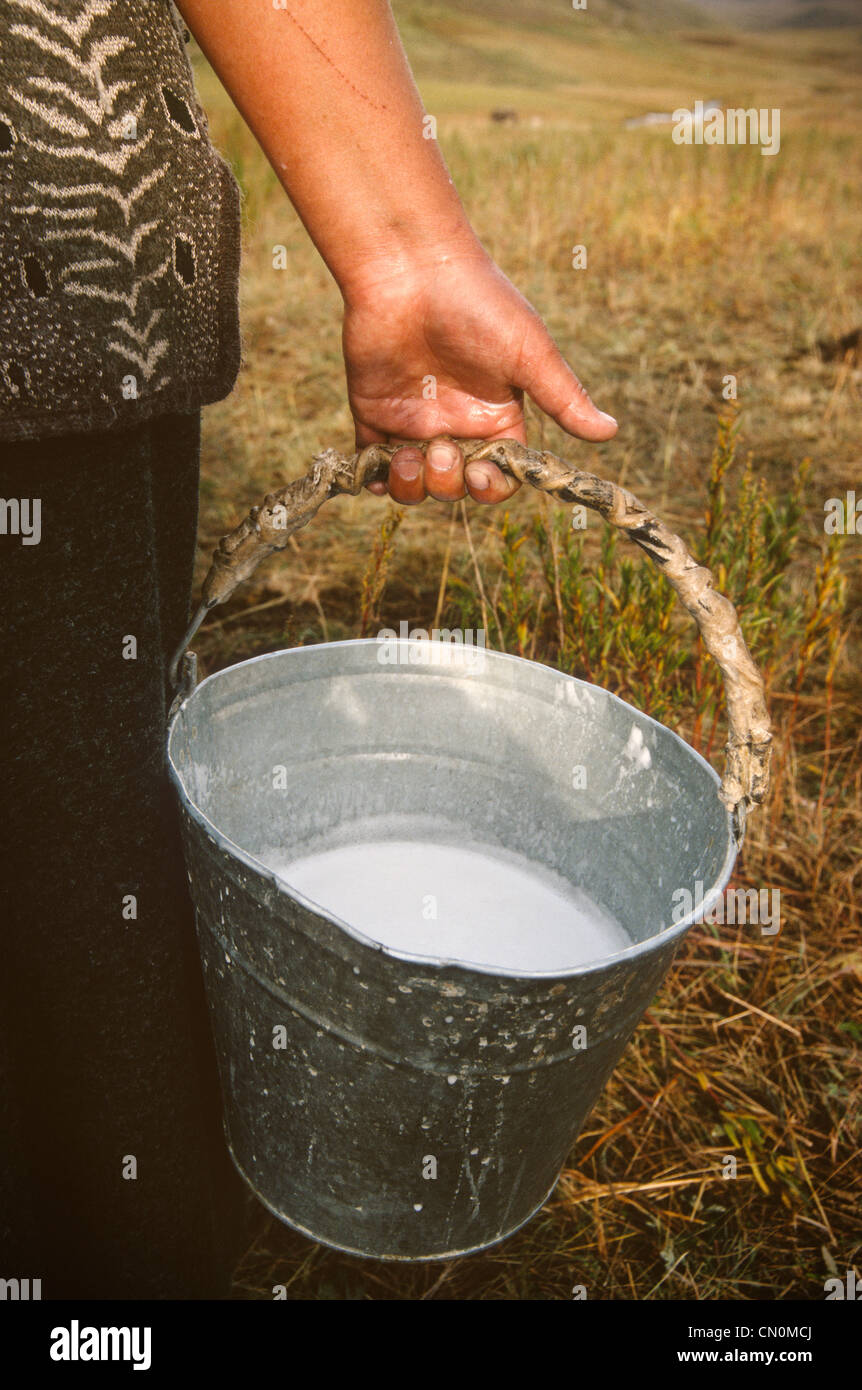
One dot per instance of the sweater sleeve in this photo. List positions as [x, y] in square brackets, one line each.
[120, 226]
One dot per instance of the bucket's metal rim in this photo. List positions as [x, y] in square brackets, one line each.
[672, 931]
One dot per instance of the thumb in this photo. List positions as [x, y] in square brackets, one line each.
[547, 377]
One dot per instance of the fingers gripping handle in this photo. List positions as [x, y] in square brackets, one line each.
[268, 528]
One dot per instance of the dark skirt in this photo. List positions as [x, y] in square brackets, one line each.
[114, 1176]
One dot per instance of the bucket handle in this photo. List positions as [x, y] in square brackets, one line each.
[269, 527]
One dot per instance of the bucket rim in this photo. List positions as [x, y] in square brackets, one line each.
[670, 932]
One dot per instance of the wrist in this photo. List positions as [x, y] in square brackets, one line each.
[402, 254]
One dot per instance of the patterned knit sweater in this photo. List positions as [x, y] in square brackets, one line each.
[119, 223]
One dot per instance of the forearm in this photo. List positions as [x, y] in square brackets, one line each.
[327, 90]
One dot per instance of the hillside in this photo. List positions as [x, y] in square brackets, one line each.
[619, 59]
[776, 14]
[558, 16]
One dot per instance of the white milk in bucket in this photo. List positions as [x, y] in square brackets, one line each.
[466, 902]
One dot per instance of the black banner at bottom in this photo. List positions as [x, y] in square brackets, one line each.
[251, 1338]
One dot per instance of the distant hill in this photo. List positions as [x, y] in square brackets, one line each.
[615, 61]
[558, 15]
[657, 15]
[480, 41]
[783, 14]
[525, 45]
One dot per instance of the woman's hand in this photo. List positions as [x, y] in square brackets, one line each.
[448, 347]
[436, 339]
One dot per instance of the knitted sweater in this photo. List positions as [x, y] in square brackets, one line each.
[119, 223]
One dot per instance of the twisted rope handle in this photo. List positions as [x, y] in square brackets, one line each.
[268, 528]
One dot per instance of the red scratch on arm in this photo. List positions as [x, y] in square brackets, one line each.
[378, 106]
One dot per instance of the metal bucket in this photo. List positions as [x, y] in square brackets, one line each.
[397, 1105]
[392, 1102]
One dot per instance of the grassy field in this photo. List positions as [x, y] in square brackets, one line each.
[702, 263]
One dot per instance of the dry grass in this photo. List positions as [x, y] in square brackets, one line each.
[702, 263]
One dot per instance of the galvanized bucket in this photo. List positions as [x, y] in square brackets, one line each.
[396, 1104]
